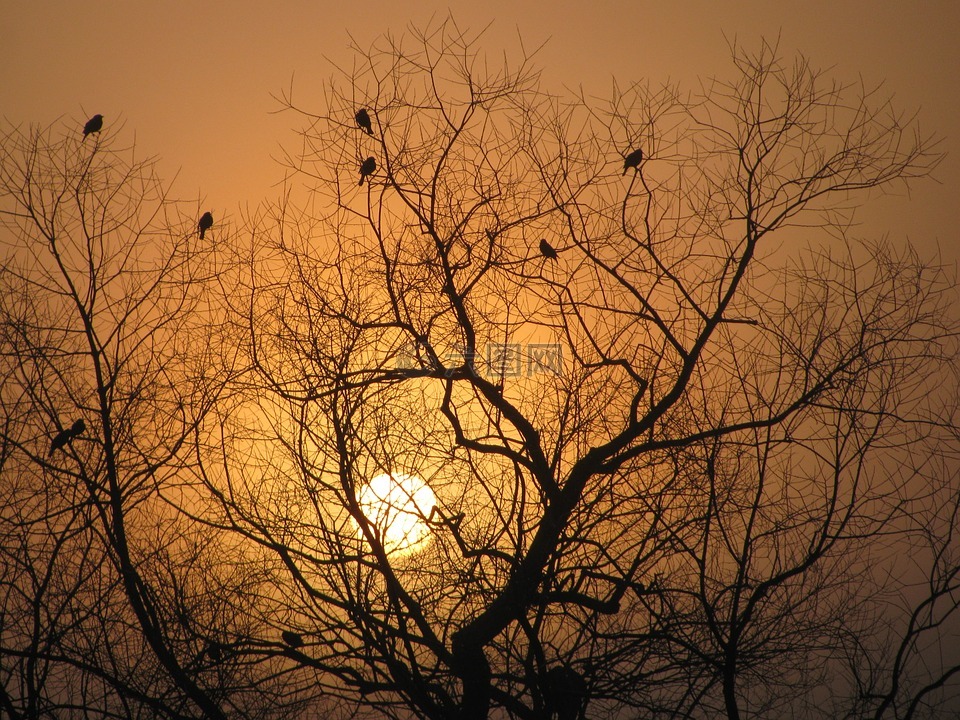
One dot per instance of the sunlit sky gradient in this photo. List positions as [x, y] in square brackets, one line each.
[192, 81]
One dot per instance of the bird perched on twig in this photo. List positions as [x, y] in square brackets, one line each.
[215, 651]
[546, 249]
[367, 167]
[206, 222]
[94, 125]
[294, 640]
[68, 434]
[565, 690]
[632, 160]
[59, 440]
[363, 120]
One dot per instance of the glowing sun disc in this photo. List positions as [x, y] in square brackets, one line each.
[397, 505]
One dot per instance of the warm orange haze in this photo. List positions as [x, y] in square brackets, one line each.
[502, 389]
[399, 507]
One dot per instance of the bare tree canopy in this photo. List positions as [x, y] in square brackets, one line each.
[511, 432]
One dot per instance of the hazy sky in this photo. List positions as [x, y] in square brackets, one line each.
[192, 81]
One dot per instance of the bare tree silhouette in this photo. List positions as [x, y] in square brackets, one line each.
[383, 458]
[102, 605]
[651, 466]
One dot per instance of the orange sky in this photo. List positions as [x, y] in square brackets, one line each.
[193, 81]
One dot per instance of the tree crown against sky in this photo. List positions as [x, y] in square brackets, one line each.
[671, 469]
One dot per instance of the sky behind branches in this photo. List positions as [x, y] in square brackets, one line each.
[194, 82]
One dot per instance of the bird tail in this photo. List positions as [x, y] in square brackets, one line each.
[201, 233]
[361, 180]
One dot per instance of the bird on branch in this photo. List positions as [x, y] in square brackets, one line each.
[294, 640]
[632, 160]
[94, 125]
[215, 651]
[565, 690]
[368, 167]
[59, 440]
[363, 120]
[64, 436]
[206, 222]
[546, 249]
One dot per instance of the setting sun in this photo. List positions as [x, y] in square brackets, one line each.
[474, 361]
[397, 505]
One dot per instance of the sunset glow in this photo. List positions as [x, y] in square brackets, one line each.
[397, 505]
[479, 361]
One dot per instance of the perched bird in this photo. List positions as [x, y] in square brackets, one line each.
[206, 222]
[368, 167]
[292, 639]
[566, 691]
[363, 120]
[546, 249]
[66, 435]
[215, 651]
[94, 125]
[632, 160]
[60, 439]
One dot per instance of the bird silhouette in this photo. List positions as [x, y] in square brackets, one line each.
[546, 249]
[565, 690]
[206, 222]
[368, 167]
[94, 125]
[632, 160]
[215, 651]
[67, 434]
[60, 439]
[294, 640]
[363, 120]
